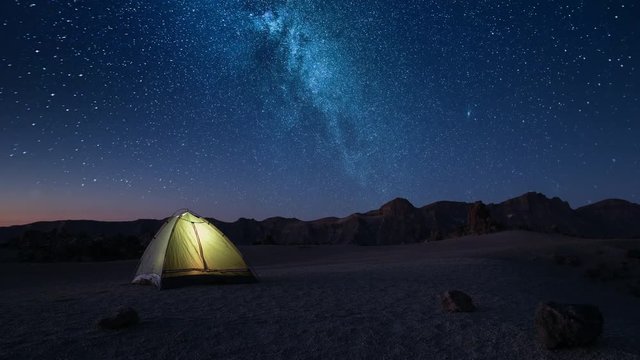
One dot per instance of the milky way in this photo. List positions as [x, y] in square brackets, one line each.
[312, 108]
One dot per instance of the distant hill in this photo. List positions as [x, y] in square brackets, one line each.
[396, 222]
[611, 218]
[107, 228]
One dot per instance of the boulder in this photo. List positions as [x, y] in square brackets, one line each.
[457, 301]
[567, 325]
[479, 218]
[122, 318]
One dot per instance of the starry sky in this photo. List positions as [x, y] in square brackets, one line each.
[307, 108]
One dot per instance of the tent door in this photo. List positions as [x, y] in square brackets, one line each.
[204, 262]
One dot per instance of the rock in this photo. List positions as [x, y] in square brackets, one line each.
[567, 325]
[124, 317]
[457, 301]
[479, 218]
[435, 235]
[397, 207]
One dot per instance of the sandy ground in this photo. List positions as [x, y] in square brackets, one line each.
[320, 302]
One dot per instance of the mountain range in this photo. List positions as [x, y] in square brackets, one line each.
[396, 222]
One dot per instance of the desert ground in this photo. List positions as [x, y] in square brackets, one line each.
[328, 302]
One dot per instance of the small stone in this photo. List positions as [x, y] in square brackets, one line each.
[457, 301]
[124, 317]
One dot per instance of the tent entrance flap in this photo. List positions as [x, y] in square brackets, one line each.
[204, 262]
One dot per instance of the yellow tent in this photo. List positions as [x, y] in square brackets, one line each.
[188, 249]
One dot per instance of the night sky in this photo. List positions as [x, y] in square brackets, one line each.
[133, 109]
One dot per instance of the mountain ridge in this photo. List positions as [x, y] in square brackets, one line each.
[395, 222]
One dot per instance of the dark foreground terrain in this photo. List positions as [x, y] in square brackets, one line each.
[322, 302]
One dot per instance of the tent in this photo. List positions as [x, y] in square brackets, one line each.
[189, 250]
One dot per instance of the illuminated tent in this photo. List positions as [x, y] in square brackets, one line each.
[189, 250]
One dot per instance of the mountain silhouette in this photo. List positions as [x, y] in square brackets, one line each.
[396, 222]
